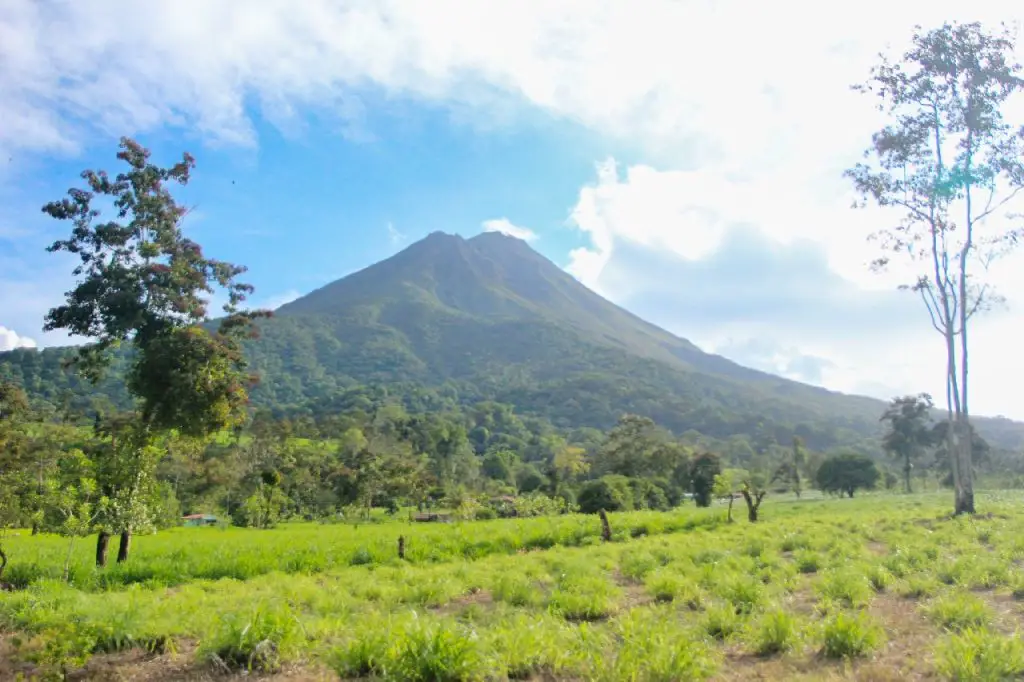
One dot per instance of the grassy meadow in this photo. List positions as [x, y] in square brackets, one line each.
[881, 587]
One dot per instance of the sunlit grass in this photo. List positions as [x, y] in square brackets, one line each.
[539, 598]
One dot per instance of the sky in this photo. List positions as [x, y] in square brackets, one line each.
[683, 158]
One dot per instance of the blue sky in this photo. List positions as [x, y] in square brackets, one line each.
[685, 161]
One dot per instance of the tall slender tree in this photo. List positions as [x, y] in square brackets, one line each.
[947, 165]
[141, 281]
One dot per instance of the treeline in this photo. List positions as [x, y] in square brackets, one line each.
[62, 469]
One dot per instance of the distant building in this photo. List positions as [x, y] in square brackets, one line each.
[199, 520]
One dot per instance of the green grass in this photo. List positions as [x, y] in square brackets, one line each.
[544, 598]
[849, 635]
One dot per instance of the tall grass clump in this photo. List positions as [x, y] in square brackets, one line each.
[776, 632]
[259, 641]
[978, 654]
[848, 635]
[656, 647]
[848, 587]
[959, 611]
[721, 622]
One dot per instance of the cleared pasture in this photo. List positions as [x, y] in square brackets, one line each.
[880, 587]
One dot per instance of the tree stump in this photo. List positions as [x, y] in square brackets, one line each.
[401, 547]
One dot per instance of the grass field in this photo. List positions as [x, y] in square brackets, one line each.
[875, 588]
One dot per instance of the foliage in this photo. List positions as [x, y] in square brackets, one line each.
[703, 470]
[908, 430]
[608, 493]
[847, 473]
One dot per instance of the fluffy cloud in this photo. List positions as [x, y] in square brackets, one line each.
[735, 228]
[504, 226]
[733, 81]
[10, 339]
[741, 273]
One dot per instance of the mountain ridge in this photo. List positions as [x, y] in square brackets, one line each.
[490, 318]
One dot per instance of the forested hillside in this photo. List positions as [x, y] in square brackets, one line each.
[450, 322]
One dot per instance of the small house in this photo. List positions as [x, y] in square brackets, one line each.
[199, 520]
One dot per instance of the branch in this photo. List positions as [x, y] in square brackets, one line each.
[928, 296]
[992, 209]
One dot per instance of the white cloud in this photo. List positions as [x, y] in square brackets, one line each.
[504, 226]
[739, 112]
[10, 339]
[394, 236]
[744, 273]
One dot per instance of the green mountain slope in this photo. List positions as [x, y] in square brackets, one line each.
[490, 318]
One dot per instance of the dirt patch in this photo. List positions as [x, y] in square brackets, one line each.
[906, 655]
[481, 598]
[137, 665]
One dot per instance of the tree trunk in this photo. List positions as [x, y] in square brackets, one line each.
[906, 475]
[124, 547]
[731, 499]
[965, 491]
[102, 544]
[606, 528]
[753, 502]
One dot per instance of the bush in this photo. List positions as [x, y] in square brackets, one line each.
[610, 493]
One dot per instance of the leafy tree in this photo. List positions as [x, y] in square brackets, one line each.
[608, 493]
[847, 473]
[703, 470]
[725, 487]
[499, 465]
[529, 479]
[947, 163]
[569, 463]
[142, 281]
[636, 447]
[752, 496]
[73, 501]
[908, 430]
[789, 469]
